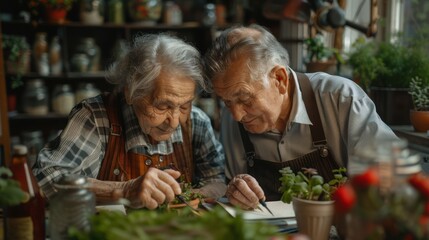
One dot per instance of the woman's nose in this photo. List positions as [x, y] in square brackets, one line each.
[173, 117]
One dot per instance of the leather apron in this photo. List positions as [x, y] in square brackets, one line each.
[119, 165]
[267, 173]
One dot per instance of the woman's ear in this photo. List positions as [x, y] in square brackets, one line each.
[279, 75]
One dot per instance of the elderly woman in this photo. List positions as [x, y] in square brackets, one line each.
[138, 140]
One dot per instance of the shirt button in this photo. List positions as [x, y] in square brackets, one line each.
[161, 159]
[148, 162]
[116, 171]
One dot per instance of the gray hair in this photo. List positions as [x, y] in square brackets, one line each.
[258, 44]
[150, 54]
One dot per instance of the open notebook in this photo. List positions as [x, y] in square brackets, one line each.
[279, 209]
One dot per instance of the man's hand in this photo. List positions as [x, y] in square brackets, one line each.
[244, 191]
[154, 188]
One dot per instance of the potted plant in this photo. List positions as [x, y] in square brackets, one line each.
[320, 57]
[17, 57]
[54, 11]
[384, 70]
[419, 115]
[312, 200]
[188, 195]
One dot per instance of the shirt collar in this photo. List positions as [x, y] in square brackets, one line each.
[298, 112]
[139, 141]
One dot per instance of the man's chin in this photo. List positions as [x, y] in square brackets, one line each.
[254, 129]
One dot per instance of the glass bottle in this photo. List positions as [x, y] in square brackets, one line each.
[63, 99]
[209, 14]
[71, 206]
[40, 51]
[116, 11]
[55, 58]
[27, 220]
[35, 98]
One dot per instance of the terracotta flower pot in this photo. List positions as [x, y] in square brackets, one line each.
[314, 218]
[420, 120]
[56, 15]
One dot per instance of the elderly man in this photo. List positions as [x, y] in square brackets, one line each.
[137, 141]
[284, 118]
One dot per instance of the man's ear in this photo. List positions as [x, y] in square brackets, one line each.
[279, 75]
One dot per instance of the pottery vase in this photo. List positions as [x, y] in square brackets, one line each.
[420, 120]
[314, 218]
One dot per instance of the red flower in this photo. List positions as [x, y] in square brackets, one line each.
[421, 183]
[364, 180]
[345, 198]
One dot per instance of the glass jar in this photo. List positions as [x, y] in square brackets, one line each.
[172, 13]
[72, 206]
[92, 50]
[34, 142]
[35, 99]
[63, 99]
[79, 62]
[86, 90]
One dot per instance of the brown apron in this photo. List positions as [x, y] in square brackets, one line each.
[267, 173]
[119, 165]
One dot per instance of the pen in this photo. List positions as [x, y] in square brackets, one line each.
[264, 204]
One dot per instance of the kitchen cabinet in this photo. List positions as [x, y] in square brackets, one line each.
[70, 34]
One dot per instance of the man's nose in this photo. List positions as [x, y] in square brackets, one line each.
[237, 111]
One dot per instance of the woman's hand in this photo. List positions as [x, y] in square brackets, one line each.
[153, 189]
[244, 191]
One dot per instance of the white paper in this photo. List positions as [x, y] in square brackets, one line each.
[279, 209]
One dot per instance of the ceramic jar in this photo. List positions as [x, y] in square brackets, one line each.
[63, 99]
[88, 47]
[92, 12]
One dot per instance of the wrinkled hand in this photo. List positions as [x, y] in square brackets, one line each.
[153, 189]
[244, 191]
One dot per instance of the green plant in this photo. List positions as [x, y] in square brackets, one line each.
[188, 193]
[308, 184]
[15, 48]
[10, 192]
[385, 64]
[419, 91]
[216, 224]
[317, 51]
